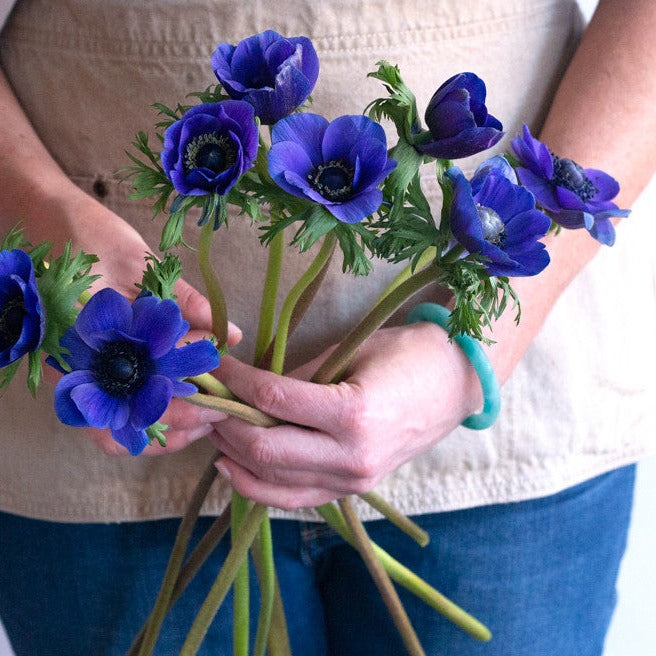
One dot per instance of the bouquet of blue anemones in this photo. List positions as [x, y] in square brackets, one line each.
[302, 180]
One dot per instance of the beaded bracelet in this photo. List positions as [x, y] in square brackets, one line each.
[479, 360]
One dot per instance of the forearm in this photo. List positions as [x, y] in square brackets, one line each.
[602, 117]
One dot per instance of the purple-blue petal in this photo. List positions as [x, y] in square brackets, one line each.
[607, 186]
[96, 406]
[66, 409]
[148, 403]
[306, 130]
[356, 209]
[159, 323]
[135, 441]
[289, 156]
[106, 310]
[603, 231]
[469, 142]
[189, 360]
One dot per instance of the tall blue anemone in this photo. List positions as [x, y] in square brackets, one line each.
[126, 367]
[274, 74]
[575, 197]
[22, 320]
[458, 120]
[338, 164]
[210, 147]
[496, 218]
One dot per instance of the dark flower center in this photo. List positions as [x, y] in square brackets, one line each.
[212, 151]
[11, 321]
[334, 180]
[120, 368]
[570, 175]
[260, 77]
[494, 229]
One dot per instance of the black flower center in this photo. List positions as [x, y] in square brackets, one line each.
[334, 180]
[12, 315]
[212, 151]
[120, 368]
[570, 175]
[494, 229]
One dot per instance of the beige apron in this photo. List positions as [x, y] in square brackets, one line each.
[87, 72]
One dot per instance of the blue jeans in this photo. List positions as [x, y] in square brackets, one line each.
[541, 574]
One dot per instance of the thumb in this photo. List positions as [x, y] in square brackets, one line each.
[196, 310]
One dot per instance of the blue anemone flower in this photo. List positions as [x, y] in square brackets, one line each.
[126, 367]
[458, 120]
[210, 147]
[274, 74]
[22, 320]
[496, 218]
[338, 164]
[575, 197]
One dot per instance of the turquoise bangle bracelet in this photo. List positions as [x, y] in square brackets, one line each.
[476, 355]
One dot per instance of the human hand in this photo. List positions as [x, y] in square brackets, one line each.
[407, 388]
[121, 252]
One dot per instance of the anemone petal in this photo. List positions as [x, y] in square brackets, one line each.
[357, 208]
[135, 441]
[97, 407]
[148, 403]
[106, 310]
[189, 360]
[65, 408]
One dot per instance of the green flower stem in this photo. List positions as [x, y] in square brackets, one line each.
[212, 287]
[269, 295]
[453, 254]
[278, 637]
[234, 408]
[212, 386]
[241, 597]
[282, 332]
[394, 606]
[334, 366]
[397, 518]
[199, 555]
[226, 576]
[409, 580]
[266, 575]
[183, 536]
[424, 260]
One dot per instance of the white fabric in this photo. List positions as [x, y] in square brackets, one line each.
[87, 71]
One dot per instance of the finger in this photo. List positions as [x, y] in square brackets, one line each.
[269, 494]
[340, 484]
[178, 440]
[285, 447]
[292, 400]
[181, 415]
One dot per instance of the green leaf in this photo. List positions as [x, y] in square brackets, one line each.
[316, 223]
[155, 433]
[7, 373]
[34, 372]
[60, 287]
[160, 276]
[400, 107]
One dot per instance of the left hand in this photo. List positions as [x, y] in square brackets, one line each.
[407, 388]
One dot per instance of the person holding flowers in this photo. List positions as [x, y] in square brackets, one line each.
[527, 518]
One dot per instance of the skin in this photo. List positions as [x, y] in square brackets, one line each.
[408, 387]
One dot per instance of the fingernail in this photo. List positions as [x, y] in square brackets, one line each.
[223, 470]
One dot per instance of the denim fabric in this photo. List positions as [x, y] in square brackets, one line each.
[540, 573]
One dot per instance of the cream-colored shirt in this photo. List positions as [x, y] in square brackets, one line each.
[87, 72]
